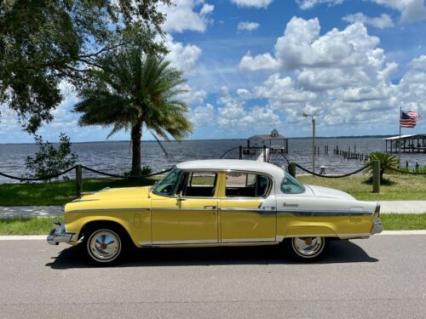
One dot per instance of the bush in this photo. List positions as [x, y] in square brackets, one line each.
[50, 160]
[388, 162]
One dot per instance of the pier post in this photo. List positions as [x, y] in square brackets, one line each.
[376, 176]
[292, 169]
[240, 149]
[78, 180]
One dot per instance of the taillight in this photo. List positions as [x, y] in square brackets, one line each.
[377, 211]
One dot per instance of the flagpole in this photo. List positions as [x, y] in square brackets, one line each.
[400, 129]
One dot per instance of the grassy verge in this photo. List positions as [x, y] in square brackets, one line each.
[58, 193]
[42, 225]
[27, 226]
[402, 187]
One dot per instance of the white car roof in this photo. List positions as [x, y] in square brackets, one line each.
[231, 164]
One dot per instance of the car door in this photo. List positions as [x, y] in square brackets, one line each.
[247, 211]
[189, 215]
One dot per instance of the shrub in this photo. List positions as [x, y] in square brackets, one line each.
[387, 163]
[50, 160]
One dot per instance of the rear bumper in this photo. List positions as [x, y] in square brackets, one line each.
[59, 235]
[377, 226]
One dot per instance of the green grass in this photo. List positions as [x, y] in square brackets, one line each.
[404, 221]
[58, 193]
[28, 226]
[42, 225]
[403, 187]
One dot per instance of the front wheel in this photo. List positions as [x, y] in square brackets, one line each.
[103, 246]
[308, 248]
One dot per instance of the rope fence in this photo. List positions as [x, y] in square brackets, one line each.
[332, 176]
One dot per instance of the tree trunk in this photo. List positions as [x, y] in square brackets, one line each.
[136, 149]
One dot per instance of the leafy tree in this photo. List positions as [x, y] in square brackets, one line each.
[43, 42]
[49, 160]
[387, 163]
[131, 91]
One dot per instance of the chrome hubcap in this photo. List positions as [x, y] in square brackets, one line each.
[308, 247]
[104, 245]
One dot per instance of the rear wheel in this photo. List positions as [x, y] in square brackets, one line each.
[104, 246]
[308, 248]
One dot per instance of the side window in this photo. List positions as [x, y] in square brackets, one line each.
[240, 184]
[290, 185]
[167, 185]
[199, 184]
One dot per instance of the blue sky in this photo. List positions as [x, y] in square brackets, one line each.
[253, 65]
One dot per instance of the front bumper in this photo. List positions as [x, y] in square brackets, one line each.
[59, 235]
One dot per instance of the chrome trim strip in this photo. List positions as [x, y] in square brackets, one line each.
[183, 209]
[184, 242]
[248, 240]
[211, 243]
[259, 211]
[110, 210]
[320, 213]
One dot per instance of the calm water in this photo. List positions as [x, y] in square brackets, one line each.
[116, 156]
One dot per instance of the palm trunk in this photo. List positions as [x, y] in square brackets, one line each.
[136, 149]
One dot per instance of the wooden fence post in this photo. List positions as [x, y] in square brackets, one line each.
[376, 176]
[240, 149]
[292, 169]
[78, 180]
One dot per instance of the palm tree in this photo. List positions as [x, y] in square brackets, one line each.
[388, 163]
[131, 90]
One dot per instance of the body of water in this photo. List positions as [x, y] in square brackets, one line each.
[115, 157]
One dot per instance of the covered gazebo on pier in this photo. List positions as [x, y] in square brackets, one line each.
[273, 141]
[406, 144]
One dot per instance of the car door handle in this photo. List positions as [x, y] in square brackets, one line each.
[290, 205]
[210, 207]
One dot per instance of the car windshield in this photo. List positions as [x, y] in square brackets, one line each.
[168, 184]
[290, 185]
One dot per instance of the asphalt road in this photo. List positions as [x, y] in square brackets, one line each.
[383, 277]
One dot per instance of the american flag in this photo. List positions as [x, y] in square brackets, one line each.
[409, 119]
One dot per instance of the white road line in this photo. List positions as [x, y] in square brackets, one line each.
[385, 233]
[403, 232]
[24, 237]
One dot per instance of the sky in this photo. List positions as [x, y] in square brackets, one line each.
[255, 65]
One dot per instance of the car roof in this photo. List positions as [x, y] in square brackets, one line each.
[231, 164]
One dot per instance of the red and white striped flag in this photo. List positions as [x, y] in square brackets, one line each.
[409, 119]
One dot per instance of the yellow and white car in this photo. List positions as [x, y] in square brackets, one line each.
[216, 203]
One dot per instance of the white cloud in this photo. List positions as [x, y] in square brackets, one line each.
[308, 4]
[192, 96]
[411, 92]
[259, 62]
[193, 15]
[182, 56]
[234, 115]
[411, 10]
[344, 74]
[202, 115]
[302, 46]
[383, 21]
[248, 26]
[252, 3]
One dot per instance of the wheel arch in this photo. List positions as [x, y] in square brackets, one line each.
[106, 222]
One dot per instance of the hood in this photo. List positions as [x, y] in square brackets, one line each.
[329, 192]
[117, 193]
